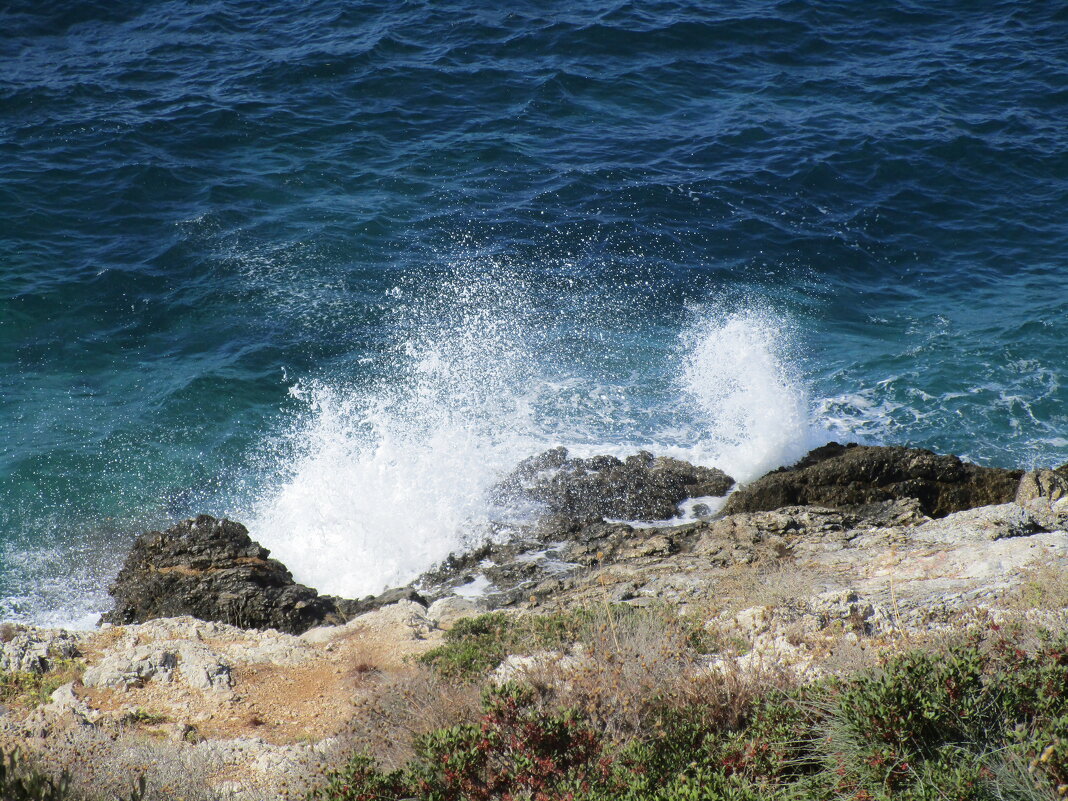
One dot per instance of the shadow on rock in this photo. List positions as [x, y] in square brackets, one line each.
[640, 487]
[852, 475]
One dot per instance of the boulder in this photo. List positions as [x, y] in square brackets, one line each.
[211, 569]
[446, 612]
[351, 609]
[853, 475]
[983, 524]
[25, 649]
[640, 487]
[1047, 485]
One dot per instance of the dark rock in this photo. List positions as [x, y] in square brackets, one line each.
[854, 475]
[642, 487]
[211, 569]
[457, 569]
[606, 543]
[351, 609]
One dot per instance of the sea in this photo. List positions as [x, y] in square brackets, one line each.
[332, 268]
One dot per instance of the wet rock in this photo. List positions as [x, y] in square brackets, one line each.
[605, 543]
[351, 609]
[211, 569]
[641, 487]
[900, 512]
[852, 475]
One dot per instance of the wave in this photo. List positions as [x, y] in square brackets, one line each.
[384, 479]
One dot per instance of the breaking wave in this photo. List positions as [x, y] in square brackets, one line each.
[385, 478]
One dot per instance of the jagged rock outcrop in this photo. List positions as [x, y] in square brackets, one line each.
[211, 569]
[851, 475]
[24, 649]
[640, 487]
[1050, 485]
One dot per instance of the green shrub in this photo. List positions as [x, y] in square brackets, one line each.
[34, 689]
[920, 702]
[952, 725]
[516, 748]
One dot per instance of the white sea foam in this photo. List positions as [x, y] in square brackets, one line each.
[384, 481]
[750, 407]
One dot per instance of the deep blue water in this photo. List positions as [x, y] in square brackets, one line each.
[328, 268]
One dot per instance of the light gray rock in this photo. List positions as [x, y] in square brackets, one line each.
[859, 614]
[193, 663]
[65, 702]
[25, 649]
[403, 620]
[985, 524]
[444, 613]
[133, 668]
[203, 668]
[517, 667]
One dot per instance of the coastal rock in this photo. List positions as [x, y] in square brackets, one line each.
[133, 669]
[446, 612]
[351, 609]
[641, 487]
[1047, 485]
[852, 475]
[29, 650]
[985, 524]
[211, 569]
[165, 660]
[64, 703]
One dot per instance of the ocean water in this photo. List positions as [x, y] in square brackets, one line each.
[331, 268]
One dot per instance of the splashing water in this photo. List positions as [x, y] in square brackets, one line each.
[388, 480]
[753, 410]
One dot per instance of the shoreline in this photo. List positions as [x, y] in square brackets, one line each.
[813, 588]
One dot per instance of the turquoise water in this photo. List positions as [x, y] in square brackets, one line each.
[330, 268]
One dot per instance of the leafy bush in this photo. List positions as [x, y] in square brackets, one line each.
[515, 748]
[920, 702]
[956, 724]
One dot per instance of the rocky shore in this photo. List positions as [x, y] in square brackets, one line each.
[215, 664]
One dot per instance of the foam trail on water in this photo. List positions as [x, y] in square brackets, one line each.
[388, 480]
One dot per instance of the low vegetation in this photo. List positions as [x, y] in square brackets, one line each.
[22, 781]
[480, 644]
[34, 689]
[984, 716]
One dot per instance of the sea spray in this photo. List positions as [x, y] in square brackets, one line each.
[384, 481]
[748, 406]
[388, 478]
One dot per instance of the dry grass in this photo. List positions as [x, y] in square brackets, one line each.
[632, 667]
[404, 704]
[108, 764]
[770, 585]
[34, 689]
[1044, 587]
